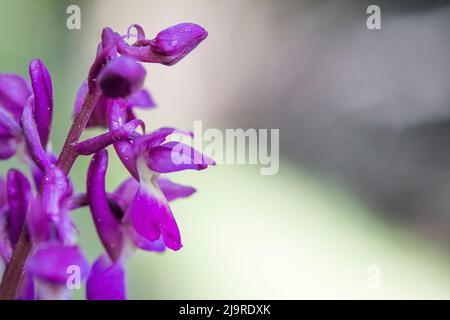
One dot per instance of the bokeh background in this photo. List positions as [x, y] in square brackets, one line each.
[364, 119]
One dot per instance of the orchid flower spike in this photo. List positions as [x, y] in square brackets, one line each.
[135, 216]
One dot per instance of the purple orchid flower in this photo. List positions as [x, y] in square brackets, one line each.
[148, 156]
[37, 233]
[111, 212]
[118, 234]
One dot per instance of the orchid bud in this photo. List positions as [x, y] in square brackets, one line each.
[43, 98]
[177, 41]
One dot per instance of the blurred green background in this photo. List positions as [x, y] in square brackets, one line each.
[296, 235]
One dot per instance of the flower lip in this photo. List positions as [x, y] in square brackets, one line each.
[152, 217]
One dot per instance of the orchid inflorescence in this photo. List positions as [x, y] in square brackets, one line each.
[38, 239]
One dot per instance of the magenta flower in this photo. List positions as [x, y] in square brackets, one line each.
[116, 210]
[37, 233]
[120, 236]
[148, 156]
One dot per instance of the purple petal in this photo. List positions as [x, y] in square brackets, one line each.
[141, 98]
[106, 280]
[54, 263]
[107, 225]
[147, 142]
[117, 116]
[39, 225]
[151, 216]
[31, 134]
[43, 98]
[14, 92]
[108, 38]
[121, 77]
[175, 156]
[102, 141]
[147, 213]
[173, 191]
[171, 233]
[19, 196]
[144, 244]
